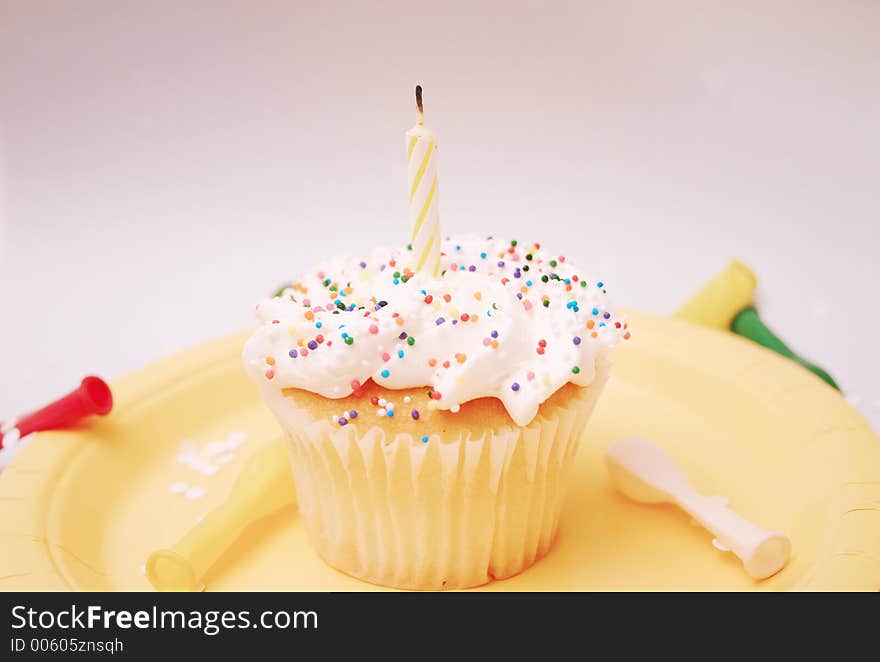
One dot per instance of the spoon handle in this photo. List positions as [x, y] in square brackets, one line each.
[763, 553]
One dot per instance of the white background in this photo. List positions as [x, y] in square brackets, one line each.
[165, 164]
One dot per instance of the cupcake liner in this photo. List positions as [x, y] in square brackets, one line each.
[438, 515]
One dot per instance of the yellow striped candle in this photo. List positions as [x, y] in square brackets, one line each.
[424, 215]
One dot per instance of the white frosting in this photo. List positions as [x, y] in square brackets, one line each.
[519, 350]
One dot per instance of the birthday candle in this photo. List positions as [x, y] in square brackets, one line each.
[424, 215]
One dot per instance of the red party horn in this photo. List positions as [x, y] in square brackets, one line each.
[93, 396]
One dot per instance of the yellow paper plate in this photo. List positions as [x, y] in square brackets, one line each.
[83, 509]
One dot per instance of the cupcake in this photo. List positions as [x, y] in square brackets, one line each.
[432, 421]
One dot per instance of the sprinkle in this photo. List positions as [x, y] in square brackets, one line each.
[595, 311]
[461, 358]
[472, 268]
[390, 413]
[415, 414]
[425, 439]
[429, 299]
[447, 298]
[349, 340]
[400, 353]
[270, 374]
[313, 344]
[386, 356]
[385, 374]
[363, 265]
[410, 341]
[494, 334]
[575, 370]
[374, 329]
[501, 263]
[530, 375]
[576, 340]
[293, 353]
[514, 386]
[352, 414]
[600, 284]
[439, 321]
[432, 362]
[343, 420]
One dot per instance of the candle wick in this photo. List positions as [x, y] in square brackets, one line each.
[421, 108]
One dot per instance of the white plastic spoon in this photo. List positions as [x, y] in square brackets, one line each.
[645, 473]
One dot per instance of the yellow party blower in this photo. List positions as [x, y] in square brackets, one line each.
[722, 298]
[725, 303]
[264, 486]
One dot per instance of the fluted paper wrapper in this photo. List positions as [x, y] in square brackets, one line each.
[446, 514]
